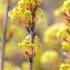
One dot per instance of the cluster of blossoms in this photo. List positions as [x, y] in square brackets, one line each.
[54, 35]
[50, 59]
[64, 32]
[64, 67]
[28, 47]
[65, 10]
[50, 36]
[26, 12]
[64, 36]
[58, 35]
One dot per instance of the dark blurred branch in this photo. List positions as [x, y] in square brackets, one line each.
[7, 6]
[32, 35]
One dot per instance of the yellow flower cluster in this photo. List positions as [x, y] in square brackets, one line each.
[66, 46]
[64, 35]
[27, 45]
[23, 10]
[49, 57]
[64, 67]
[17, 13]
[58, 12]
[64, 31]
[65, 8]
[39, 13]
[50, 36]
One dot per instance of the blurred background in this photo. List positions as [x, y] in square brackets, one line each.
[48, 57]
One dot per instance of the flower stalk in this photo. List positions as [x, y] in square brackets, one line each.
[5, 23]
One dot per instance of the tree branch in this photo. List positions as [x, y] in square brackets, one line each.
[4, 35]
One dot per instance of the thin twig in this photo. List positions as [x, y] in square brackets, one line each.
[4, 35]
[32, 35]
[32, 41]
